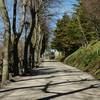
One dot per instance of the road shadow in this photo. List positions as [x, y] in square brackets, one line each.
[52, 72]
[44, 87]
[57, 94]
[40, 71]
[49, 71]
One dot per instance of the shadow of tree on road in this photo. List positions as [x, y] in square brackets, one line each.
[43, 73]
[56, 94]
[44, 86]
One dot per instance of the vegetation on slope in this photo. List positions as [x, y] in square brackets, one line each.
[87, 59]
[74, 37]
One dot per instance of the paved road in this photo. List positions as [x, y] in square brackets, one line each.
[54, 81]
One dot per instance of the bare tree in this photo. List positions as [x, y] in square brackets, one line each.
[17, 34]
[7, 40]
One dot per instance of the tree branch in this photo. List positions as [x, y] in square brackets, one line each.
[14, 16]
[22, 22]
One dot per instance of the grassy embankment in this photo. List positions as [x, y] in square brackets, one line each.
[86, 59]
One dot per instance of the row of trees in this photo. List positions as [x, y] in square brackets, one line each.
[78, 29]
[30, 17]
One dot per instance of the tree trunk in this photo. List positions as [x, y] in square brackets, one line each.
[15, 56]
[38, 46]
[31, 56]
[28, 39]
[25, 63]
[37, 50]
[7, 40]
[33, 59]
[85, 41]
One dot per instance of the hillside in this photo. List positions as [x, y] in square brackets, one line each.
[86, 59]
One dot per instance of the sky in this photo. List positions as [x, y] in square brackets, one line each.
[65, 6]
